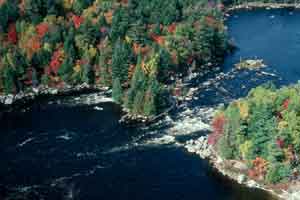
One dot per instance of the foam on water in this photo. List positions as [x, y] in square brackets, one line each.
[163, 140]
[26, 142]
[64, 137]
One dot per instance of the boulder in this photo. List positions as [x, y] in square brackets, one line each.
[9, 99]
[53, 91]
[252, 184]
[241, 178]
[2, 99]
[240, 166]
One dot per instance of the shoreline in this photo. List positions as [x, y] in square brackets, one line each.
[11, 102]
[233, 169]
[257, 5]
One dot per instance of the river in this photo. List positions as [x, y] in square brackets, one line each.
[67, 149]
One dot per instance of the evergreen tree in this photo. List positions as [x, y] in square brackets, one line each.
[8, 13]
[120, 23]
[120, 61]
[117, 93]
[232, 127]
[151, 98]
[137, 32]
[275, 153]
[88, 74]
[277, 172]
[35, 10]
[262, 126]
[293, 128]
[202, 42]
[226, 151]
[80, 5]
[41, 59]
[66, 69]
[138, 85]
[138, 102]
[105, 75]
[14, 68]
[35, 81]
[164, 66]
[8, 76]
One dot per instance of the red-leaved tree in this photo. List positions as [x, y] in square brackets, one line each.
[280, 143]
[56, 61]
[286, 104]
[12, 34]
[42, 29]
[218, 129]
[172, 28]
[77, 20]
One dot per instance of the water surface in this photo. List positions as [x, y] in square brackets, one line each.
[273, 35]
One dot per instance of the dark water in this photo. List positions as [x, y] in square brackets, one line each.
[58, 150]
[272, 35]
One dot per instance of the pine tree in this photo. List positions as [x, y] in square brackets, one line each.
[232, 127]
[79, 5]
[262, 127]
[41, 58]
[137, 32]
[152, 98]
[202, 42]
[88, 74]
[66, 69]
[117, 93]
[293, 128]
[8, 13]
[104, 67]
[120, 24]
[138, 102]
[35, 10]
[8, 76]
[35, 81]
[275, 153]
[120, 61]
[14, 68]
[137, 85]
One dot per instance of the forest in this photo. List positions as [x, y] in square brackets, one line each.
[262, 130]
[136, 47]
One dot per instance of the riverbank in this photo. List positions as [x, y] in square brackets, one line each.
[10, 102]
[237, 170]
[256, 5]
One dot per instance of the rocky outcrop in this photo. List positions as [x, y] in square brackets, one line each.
[199, 147]
[22, 98]
[254, 5]
[250, 64]
[191, 121]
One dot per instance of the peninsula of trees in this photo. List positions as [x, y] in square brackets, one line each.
[263, 131]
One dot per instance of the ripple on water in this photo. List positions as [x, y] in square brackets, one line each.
[25, 142]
